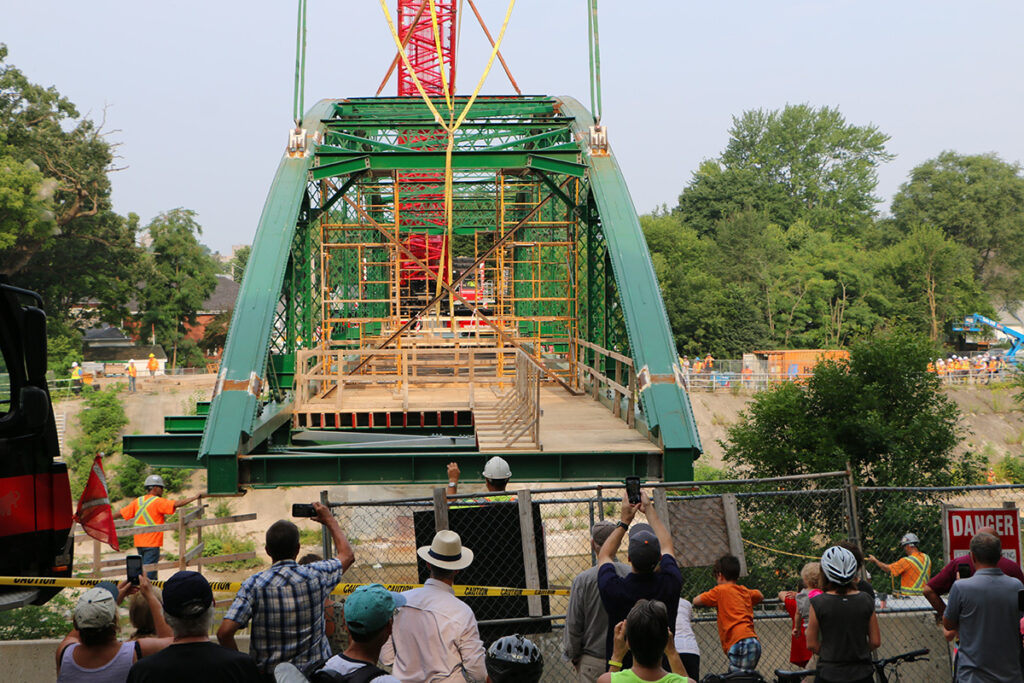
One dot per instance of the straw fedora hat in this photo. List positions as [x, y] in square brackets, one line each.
[446, 551]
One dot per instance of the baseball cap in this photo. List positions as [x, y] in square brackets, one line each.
[97, 608]
[187, 594]
[644, 547]
[602, 530]
[370, 607]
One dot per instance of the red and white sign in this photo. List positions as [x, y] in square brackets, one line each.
[962, 524]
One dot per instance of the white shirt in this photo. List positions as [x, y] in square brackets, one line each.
[435, 638]
[685, 640]
[345, 665]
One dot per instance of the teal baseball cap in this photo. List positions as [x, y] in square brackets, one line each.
[370, 607]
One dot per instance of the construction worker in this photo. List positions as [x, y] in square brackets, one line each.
[496, 475]
[132, 372]
[76, 378]
[914, 569]
[150, 509]
[152, 365]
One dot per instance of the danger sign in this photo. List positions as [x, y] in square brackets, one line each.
[962, 524]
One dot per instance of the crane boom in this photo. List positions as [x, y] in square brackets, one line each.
[1016, 338]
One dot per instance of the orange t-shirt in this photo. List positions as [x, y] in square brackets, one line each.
[735, 605]
[154, 511]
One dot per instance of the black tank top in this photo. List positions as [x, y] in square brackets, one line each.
[843, 633]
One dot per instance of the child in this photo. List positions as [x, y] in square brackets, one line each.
[735, 605]
[798, 606]
[686, 641]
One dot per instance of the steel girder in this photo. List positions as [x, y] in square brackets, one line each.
[245, 438]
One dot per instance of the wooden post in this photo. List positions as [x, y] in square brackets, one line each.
[530, 566]
[617, 408]
[95, 557]
[199, 530]
[631, 406]
[326, 542]
[661, 506]
[440, 509]
[182, 540]
[732, 529]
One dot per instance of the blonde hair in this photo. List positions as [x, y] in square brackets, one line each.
[811, 575]
[140, 616]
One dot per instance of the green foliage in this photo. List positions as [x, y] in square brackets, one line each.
[880, 412]
[101, 422]
[1010, 469]
[32, 622]
[179, 276]
[238, 262]
[63, 347]
[223, 541]
[58, 235]
[128, 478]
[977, 201]
[799, 162]
[311, 536]
[222, 509]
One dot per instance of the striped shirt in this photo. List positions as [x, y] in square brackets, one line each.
[286, 606]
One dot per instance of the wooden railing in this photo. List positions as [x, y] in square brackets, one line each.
[514, 422]
[189, 519]
[611, 374]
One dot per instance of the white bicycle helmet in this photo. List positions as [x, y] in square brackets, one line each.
[839, 565]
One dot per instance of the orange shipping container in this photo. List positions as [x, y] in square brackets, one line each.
[794, 362]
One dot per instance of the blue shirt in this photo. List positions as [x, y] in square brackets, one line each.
[286, 606]
[984, 608]
[620, 593]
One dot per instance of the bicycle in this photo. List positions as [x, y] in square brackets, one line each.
[880, 665]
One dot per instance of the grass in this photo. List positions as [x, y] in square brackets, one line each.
[226, 542]
[311, 536]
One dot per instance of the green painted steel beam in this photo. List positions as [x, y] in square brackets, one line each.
[178, 424]
[428, 468]
[666, 404]
[164, 450]
[562, 162]
[233, 409]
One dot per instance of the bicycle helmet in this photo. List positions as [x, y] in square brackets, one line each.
[514, 659]
[839, 565]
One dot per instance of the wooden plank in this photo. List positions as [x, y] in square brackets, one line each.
[529, 541]
[440, 508]
[225, 558]
[222, 520]
[192, 552]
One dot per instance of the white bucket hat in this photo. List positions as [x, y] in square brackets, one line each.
[446, 551]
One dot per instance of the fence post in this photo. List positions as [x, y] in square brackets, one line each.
[96, 557]
[733, 531]
[182, 540]
[327, 544]
[593, 555]
[853, 512]
[526, 534]
[661, 507]
[199, 531]
[440, 508]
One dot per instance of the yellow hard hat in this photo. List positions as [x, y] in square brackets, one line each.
[152, 355]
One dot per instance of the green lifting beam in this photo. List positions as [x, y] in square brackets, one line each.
[243, 436]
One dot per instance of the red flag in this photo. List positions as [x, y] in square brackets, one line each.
[94, 513]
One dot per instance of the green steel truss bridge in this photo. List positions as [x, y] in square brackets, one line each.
[369, 347]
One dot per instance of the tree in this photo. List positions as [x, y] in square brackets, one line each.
[58, 235]
[797, 162]
[236, 267]
[179, 276]
[881, 412]
[978, 201]
[934, 280]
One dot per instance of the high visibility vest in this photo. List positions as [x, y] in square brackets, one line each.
[483, 500]
[142, 517]
[76, 373]
[924, 569]
[132, 370]
[152, 364]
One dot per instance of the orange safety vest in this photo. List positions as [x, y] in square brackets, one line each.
[152, 364]
[132, 370]
[143, 516]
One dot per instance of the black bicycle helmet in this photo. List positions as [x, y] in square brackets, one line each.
[514, 659]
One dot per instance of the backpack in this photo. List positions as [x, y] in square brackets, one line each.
[363, 674]
[734, 677]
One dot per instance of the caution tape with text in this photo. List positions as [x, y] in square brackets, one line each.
[340, 589]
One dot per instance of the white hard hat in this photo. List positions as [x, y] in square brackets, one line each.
[74, 364]
[909, 539]
[154, 480]
[497, 468]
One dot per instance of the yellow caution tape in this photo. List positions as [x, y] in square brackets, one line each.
[340, 589]
[781, 552]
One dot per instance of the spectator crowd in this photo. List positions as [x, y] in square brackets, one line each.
[626, 621]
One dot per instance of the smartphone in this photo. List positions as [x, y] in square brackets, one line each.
[633, 489]
[1020, 601]
[133, 565]
[963, 571]
[303, 510]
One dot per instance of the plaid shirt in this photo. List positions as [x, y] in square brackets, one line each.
[286, 606]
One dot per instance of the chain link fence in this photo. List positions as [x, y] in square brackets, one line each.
[541, 539]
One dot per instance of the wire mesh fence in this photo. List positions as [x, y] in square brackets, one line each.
[541, 539]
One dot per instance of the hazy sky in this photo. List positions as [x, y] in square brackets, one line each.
[199, 93]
